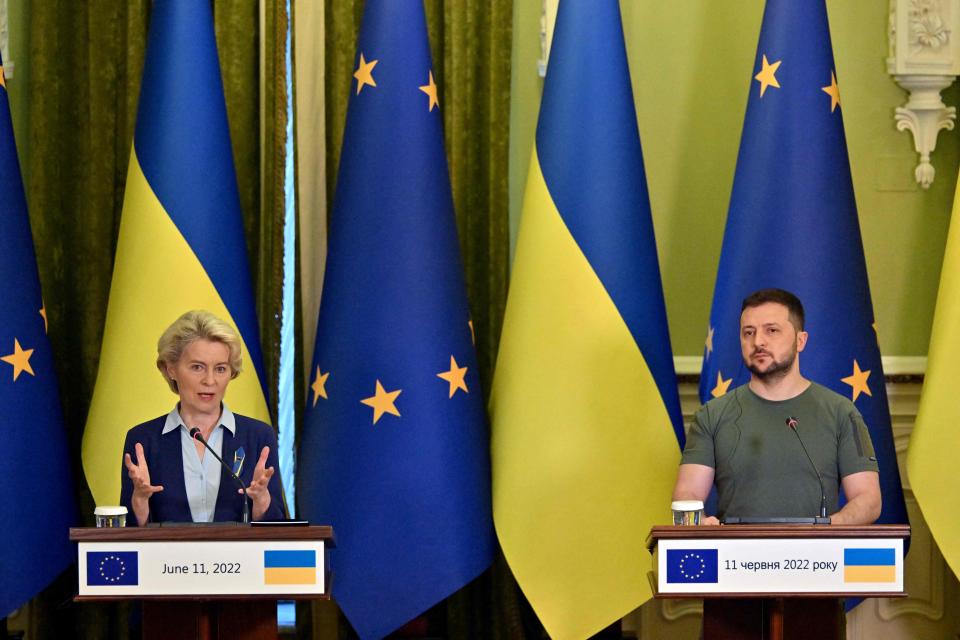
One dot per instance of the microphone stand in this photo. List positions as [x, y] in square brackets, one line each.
[196, 435]
[793, 423]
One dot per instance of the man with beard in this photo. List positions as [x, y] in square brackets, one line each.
[747, 440]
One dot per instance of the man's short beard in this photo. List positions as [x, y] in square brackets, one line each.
[776, 370]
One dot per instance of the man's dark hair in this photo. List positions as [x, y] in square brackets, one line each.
[779, 296]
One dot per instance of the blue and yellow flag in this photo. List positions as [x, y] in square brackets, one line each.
[394, 451]
[181, 244]
[931, 455]
[585, 410]
[793, 224]
[36, 507]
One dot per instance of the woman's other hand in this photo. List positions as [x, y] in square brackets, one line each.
[139, 474]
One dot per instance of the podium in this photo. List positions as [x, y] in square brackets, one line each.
[205, 582]
[777, 581]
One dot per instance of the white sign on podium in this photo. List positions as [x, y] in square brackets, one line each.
[158, 568]
[778, 565]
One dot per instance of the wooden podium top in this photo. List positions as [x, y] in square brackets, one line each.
[213, 532]
[726, 531]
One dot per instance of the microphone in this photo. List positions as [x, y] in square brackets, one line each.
[196, 435]
[793, 423]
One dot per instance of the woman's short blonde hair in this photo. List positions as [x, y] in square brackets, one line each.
[196, 325]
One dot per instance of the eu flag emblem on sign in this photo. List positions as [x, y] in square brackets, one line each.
[692, 566]
[112, 568]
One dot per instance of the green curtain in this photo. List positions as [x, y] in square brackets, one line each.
[85, 61]
[258, 120]
[471, 44]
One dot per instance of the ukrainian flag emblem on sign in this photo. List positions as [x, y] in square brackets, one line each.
[869, 565]
[290, 566]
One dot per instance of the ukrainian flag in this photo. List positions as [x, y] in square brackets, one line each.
[869, 565]
[586, 416]
[290, 566]
[931, 459]
[181, 244]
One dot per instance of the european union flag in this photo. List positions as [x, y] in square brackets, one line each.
[688, 566]
[112, 568]
[793, 224]
[36, 506]
[395, 449]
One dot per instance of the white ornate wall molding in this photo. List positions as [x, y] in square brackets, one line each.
[892, 365]
[672, 610]
[924, 59]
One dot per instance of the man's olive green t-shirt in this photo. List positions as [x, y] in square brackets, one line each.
[761, 470]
